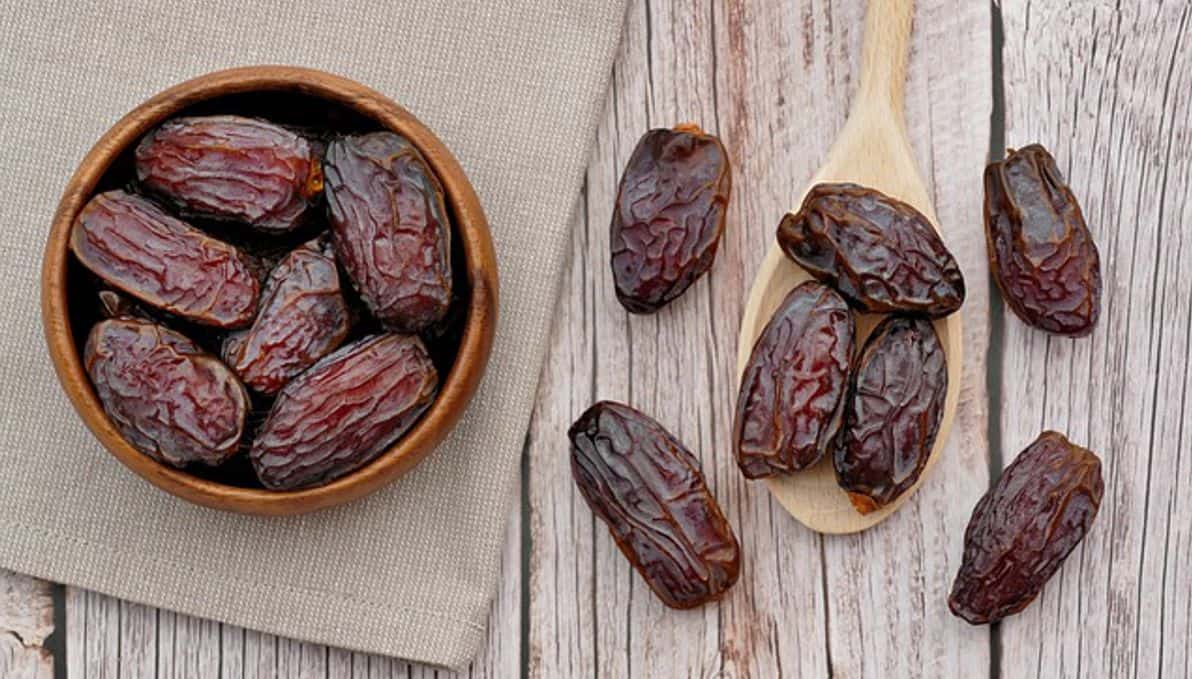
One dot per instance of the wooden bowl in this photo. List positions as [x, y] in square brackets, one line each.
[315, 94]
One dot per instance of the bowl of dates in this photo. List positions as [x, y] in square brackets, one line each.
[269, 290]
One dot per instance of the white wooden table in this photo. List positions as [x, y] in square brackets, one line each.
[1107, 85]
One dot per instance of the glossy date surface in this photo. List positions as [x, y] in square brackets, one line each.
[669, 216]
[344, 411]
[134, 246]
[1024, 527]
[791, 402]
[649, 490]
[232, 168]
[882, 254]
[1041, 252]
[167, 397]
[893, 413]
[303, 317]
[391, 228]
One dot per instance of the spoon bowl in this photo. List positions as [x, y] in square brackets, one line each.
[873, 150]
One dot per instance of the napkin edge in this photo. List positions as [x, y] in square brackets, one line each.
[418, 636]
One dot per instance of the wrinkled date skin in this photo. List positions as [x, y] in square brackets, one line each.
[880, 253]
[648, 488]
[669, 216]
[344, 411]
[1041, 253]
[391, 228]
[303, 317]
[1025, 526]
[167, 397]
[134, 246]
[895, 405]
[791, 402]
[232, 168]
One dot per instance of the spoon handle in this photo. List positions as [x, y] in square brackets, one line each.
[885, 53]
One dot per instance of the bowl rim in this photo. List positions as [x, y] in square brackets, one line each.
[470, 227]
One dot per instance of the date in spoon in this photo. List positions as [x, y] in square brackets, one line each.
[872, 150]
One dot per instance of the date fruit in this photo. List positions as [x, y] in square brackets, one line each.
[1024, 527]
[344, 411]
[669, 216]
[1041, 253]
[232, 168]
[136, 247]
[880, 253]
[895, 405]
[391, 228]
[791, 401]
[168, 398]
[302, 318]
[648, 489]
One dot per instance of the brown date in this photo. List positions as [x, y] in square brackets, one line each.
[648, 488]
[302, 318]
[344, 411]
[1024, 527]
[895, 405]
[136, 247]
[1041, 253]
[791, 401]
[669, 216]
[232, 168]
[391, 228]
[880, 253]
[167, 397]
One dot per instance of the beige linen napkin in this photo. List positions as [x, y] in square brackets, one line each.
[513, 87]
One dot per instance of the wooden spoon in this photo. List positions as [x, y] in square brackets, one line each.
[872, 150]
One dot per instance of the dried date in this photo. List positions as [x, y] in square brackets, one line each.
[232, 168]
[669, 216]
[1041, 252]
[1024, 527]
[303, 317]
[882, 254]
[791, 402]
[167, 397]
[391, 228]
[136, 247]
[895, 405]
[344, 411]
[648, 488]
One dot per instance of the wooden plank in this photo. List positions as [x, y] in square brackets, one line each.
[773, 79]
[138, 640]
[107, 637]
[26, 619]
[260, 655]
[888, 586]
[1104, 86]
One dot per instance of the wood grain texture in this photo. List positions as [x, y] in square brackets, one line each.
[1105, 86]
[774, 80]
[26, 619]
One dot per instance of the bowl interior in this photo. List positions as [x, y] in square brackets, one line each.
[319, 106]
